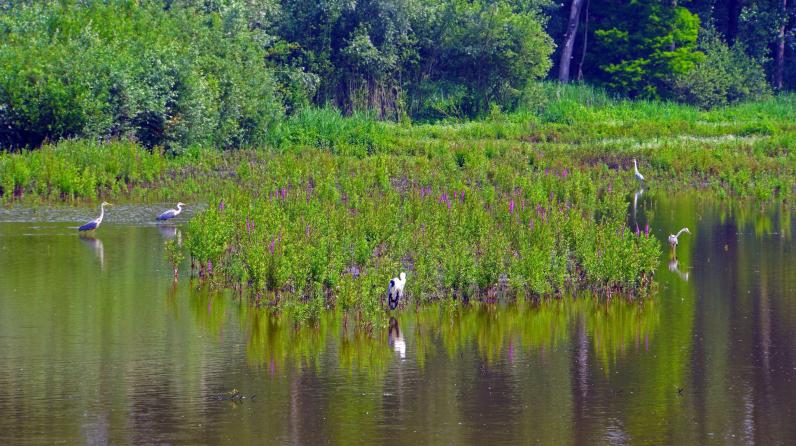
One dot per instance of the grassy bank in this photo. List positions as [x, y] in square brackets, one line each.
[324, 230]
[524, 205]
[741, 151]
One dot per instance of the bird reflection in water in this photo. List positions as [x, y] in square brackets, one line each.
[96, 245]
[395, 339]
[169, 232]
[636, 196]
[674, 266]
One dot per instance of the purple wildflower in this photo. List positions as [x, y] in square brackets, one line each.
[221, 205]
[647, 229]
[209, 267]
[511, 207]
[565, 172]
[638, 231]
[284, 193]
[307, 231]
[461, 198]
[530, 225]
[272, 246]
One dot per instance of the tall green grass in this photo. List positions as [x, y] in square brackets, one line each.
[743, 151]
[319, 230]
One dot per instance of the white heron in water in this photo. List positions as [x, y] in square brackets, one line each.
[94, 224]
[171, 213]
[673, 238]
[639, 176]
[396, 290]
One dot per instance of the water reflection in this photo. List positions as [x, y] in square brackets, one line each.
[396, 340]
[674, 266]
[167, 231]
[128, 356]
[636, 196]
[96, 245]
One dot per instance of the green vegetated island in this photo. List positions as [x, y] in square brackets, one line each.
[338, 143]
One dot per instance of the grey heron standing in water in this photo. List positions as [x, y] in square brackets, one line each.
[94, 224]
[638, 174]
[171, 213]
[673, 238]
[396, 290]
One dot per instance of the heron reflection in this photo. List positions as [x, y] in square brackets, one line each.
[169, 232]
[395, 339]
[96, 245]
[674, 266]
[636, 196]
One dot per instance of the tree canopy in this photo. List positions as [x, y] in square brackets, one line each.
[176, 73]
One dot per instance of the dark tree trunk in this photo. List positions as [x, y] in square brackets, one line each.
[585, 42]
[569, 40]
[779, 57]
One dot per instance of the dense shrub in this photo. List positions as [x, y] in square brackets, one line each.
[79, 169]
[120, 69]
[727, 75]
[335, 228]
[428, 59]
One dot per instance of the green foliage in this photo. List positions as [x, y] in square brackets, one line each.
[428, 59]
[643, 44]
[327, 229]
[562, 125]
[79, 169]
[174, 254]
[725, 76]
[122, 69]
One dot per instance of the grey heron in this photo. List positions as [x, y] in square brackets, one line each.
[673, 238]
[94, 224]
[396, 290]
[171, 213]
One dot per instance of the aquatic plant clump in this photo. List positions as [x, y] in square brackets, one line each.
[331, 231]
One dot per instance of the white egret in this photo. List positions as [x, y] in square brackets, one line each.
[171, 213]
[673, 238]
[639, 176]
[396, 290]
[94, 224]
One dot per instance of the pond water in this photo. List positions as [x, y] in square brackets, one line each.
[98, 346]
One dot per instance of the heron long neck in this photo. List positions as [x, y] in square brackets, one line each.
[635, 166]
[102, 213]
[681, 231]
[179, 209]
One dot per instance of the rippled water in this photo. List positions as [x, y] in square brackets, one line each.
[97, 346]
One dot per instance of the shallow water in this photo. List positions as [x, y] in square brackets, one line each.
[97, 346]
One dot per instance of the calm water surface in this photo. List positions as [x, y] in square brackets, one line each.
[98, 346]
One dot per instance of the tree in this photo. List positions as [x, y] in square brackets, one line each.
[569, 40]
[642, 44]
